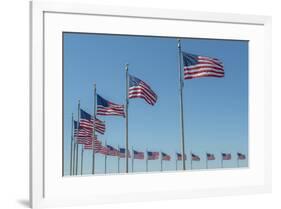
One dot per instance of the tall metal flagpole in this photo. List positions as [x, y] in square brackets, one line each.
[181, 104]
[206, 161]
[132, 160]
[191, 160]
[126, 132]
[94, 134]
[221, 160]
[118, 161]
[105, 158]
[82, 156]
[77, 145]
[71, 146]
[146, 162]
[161, 163]
[74, 158]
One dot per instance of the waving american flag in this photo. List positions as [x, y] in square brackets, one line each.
[210, 156]
[226, 156]
[152, 155]
[165, 156]
[105, 107]
[112, 151]
[122, 152]
[139, 89]
[241, 156]
[87, 122]
[196, 66]
[195, 157]
[138, 155]
[179, 156]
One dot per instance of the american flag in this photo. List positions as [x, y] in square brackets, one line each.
[196, 66]
[139, 89]
[83, 140]
[82, 132]
[122, 153]
[138, 155]
[103, 150]
[241, 156]
[226, 156]
[152, 155]
[112, 151]
[195, 157]
[99, 126]
[210, 156]
[89, 145]
[105, 107]
[86, 122]
[179, 156]
[165, 156]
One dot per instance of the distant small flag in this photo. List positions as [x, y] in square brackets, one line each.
[152, 155]
[112, 151]
[138, 155]
[241, 156]
[226, 156]
[165, 156]
[139, 89]
[105, 107]
[122, 152]
[179, 156]
[103, 150]
[196, 66]
[210, 156]
[195, 157]
[86, 121]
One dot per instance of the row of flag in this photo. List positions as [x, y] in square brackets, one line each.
[87, 126]
[151, 155]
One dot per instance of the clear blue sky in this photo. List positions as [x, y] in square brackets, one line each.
[215, 109]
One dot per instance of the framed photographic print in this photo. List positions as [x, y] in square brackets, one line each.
[157, 103]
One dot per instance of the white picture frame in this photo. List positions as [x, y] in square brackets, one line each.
[49, 188]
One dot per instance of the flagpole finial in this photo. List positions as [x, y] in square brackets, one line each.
[179, 43]
[126, 66]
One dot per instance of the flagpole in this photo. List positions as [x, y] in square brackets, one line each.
[71, 146]
[74, 158]
[94, 134]
[191, 161]
[237, 162]
[105, 158]
[118, 160]
[132, 160]
[181, 104]
[82, 156]
[161, 161]
[146, 162]
[126, 119]
[206, 161]
[77, 145]
[221, 160]
[176, 163]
